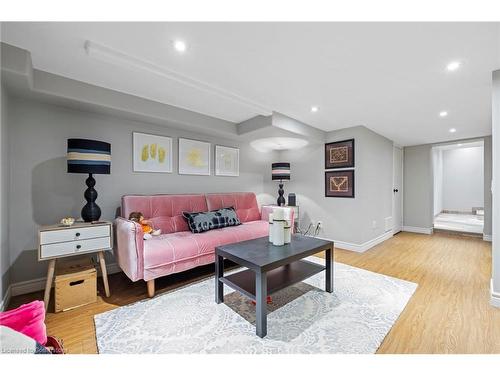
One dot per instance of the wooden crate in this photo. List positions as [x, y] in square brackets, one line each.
[75, 284]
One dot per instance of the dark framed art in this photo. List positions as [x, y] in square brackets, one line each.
[339, 154]
[339, 184]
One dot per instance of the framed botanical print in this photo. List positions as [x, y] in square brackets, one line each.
[152, 153]
[339, 184]
[227, 161]
[194, 157]
[339, 154]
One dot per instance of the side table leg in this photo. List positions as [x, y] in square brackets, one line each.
[261, 304]
[104, 272]
[48, 283]
[329, 270]
[219, 285]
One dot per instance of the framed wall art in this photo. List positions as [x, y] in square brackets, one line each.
[152, 153]
[339, 184]
[227, 161]
[194, 157]
[339, 154]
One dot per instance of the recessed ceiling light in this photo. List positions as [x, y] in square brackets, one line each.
[314, 108]
[443, 114]
[454, 65]
[452, 130]
[180, 45]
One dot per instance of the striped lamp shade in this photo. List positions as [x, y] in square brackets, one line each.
[88, 156]
[281, 171]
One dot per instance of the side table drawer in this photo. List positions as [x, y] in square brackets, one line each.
[74, 247]
[72, 234]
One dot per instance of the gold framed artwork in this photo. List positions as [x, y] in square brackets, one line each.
[339, 154]
[339, 184]
[194, 157]
[227, 161]
[152, 153]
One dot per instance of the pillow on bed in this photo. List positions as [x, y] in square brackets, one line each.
[199, 222]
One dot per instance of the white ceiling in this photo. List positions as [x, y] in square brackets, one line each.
[389, 77]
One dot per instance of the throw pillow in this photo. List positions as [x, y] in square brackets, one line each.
[28, 319]
[199, 222]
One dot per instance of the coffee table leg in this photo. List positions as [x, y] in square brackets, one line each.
[261, 304]
[329, 270]
[219, 272]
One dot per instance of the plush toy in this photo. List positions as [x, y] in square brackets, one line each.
[147, 226]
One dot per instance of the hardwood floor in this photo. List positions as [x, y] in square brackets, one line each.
[449, 312]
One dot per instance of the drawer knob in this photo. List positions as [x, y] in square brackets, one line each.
[77, 234]
[78, 247]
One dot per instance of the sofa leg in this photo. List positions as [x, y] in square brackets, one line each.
[151, 288]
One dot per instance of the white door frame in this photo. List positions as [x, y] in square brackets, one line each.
[397, 150]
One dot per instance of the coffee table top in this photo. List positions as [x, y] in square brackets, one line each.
[261, 255]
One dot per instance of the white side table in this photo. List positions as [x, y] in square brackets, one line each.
[57, 241]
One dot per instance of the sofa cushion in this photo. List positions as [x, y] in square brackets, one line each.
[164, 211]
[199, 222]
[245, 204]
[169, 248]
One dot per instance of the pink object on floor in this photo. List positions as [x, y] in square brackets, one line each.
[28, 319]
[177, 249]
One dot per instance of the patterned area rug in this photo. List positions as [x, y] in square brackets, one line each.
[302, 318]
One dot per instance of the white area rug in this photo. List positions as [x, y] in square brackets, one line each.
[302, 318]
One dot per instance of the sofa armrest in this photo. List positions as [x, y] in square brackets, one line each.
[129, 249]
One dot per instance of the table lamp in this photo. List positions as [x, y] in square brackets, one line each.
[281, 171]
[92, 157]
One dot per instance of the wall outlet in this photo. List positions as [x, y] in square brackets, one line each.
[374, 224]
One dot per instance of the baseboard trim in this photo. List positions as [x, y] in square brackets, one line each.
[360, 248]
[418, 230]
[487, 237]
[495, 296]
[30, 286]
[6, 299]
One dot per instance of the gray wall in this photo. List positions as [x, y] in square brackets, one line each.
[463, 178]
[344, 219]
[42, 192]
[418, 187]
[487, 185]
[4, 190]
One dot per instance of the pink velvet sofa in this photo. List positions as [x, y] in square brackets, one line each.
[177, 249]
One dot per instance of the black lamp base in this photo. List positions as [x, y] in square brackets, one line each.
[281, 198]
[91, 211]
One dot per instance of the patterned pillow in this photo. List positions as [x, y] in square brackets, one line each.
[199, 222]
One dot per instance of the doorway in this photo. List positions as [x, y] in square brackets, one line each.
[458, 173]
[397, 190]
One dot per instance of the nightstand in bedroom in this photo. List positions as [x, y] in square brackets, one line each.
[57, 241]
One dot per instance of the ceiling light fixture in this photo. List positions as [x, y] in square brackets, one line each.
[180, 45]
[460, 145]
[454, 65]
[452, 130]
[314, 108]
[443, 114]
[278, 143]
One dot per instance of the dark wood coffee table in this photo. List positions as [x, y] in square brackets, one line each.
[270, 269]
